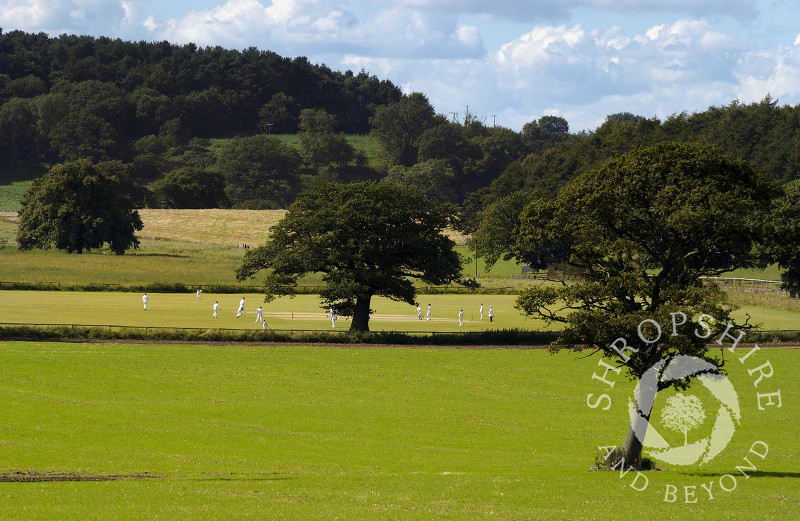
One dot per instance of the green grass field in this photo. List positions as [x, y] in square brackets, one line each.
[300, 313]
[191, 247]
[134, 431]
[303, 312]
[241, 432]
[168, 261]
[14, 183]
[360, 142]
[10, 195]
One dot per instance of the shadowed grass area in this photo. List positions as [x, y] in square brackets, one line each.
[243, 432]
[369, 146]
[10, 195]
[14, 183]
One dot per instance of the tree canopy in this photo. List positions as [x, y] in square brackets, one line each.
[260, 171]
[75, 207]
[70, 97]
[784, 234]
[191, 187]
[639, 233]
[399, 125]
[320, 145]
[366, 238]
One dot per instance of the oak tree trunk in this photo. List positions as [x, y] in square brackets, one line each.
[631, 449]
[361, 314]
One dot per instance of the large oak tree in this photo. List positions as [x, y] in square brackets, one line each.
[366, 238]
[639, 233]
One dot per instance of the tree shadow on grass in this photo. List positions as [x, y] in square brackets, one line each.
[172, 255]
[33, 476]
[267, 476]
[21, 173]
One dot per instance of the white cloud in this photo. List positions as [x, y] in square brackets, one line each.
[541, 45]
[468, 36]
[307, 27]
[31, 15]
[150, 23]
[284, 11]
[227, 23]
[540, 10]
[774, 71]
[582, 74]
[99, 17]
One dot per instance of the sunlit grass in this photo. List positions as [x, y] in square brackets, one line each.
[212, 226]
[251, 432]
[191, 247]
[303, 312]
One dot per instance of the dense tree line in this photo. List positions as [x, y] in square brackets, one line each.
[764, 134]
[156, 106]
[74, 97]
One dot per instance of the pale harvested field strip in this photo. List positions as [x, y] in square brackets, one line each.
[216, 226]
[212, 226]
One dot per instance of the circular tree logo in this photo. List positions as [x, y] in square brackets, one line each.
[684, 413]
[698, 410]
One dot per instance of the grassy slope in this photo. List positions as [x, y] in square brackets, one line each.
[192, 247]
[212, 226]
[238, 432]
[10, 195]
[362, 143]
[14, 183]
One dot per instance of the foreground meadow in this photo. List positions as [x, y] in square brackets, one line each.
[121, 431]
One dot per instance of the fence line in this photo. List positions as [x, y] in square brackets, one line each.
[112, 327]
[742, 281]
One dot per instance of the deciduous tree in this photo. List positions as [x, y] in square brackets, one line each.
[366, 238]
[399, 125]
[433, 177]
[77, 207]
[191, 188]
[319, 144]
[16, 127]
[784, 244]
[640, 232]
[261, 172]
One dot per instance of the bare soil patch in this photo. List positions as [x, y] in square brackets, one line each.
[32, 476]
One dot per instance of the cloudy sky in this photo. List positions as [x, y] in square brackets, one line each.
[509, 61]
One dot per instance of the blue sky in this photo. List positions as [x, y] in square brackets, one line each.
[509, 61]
